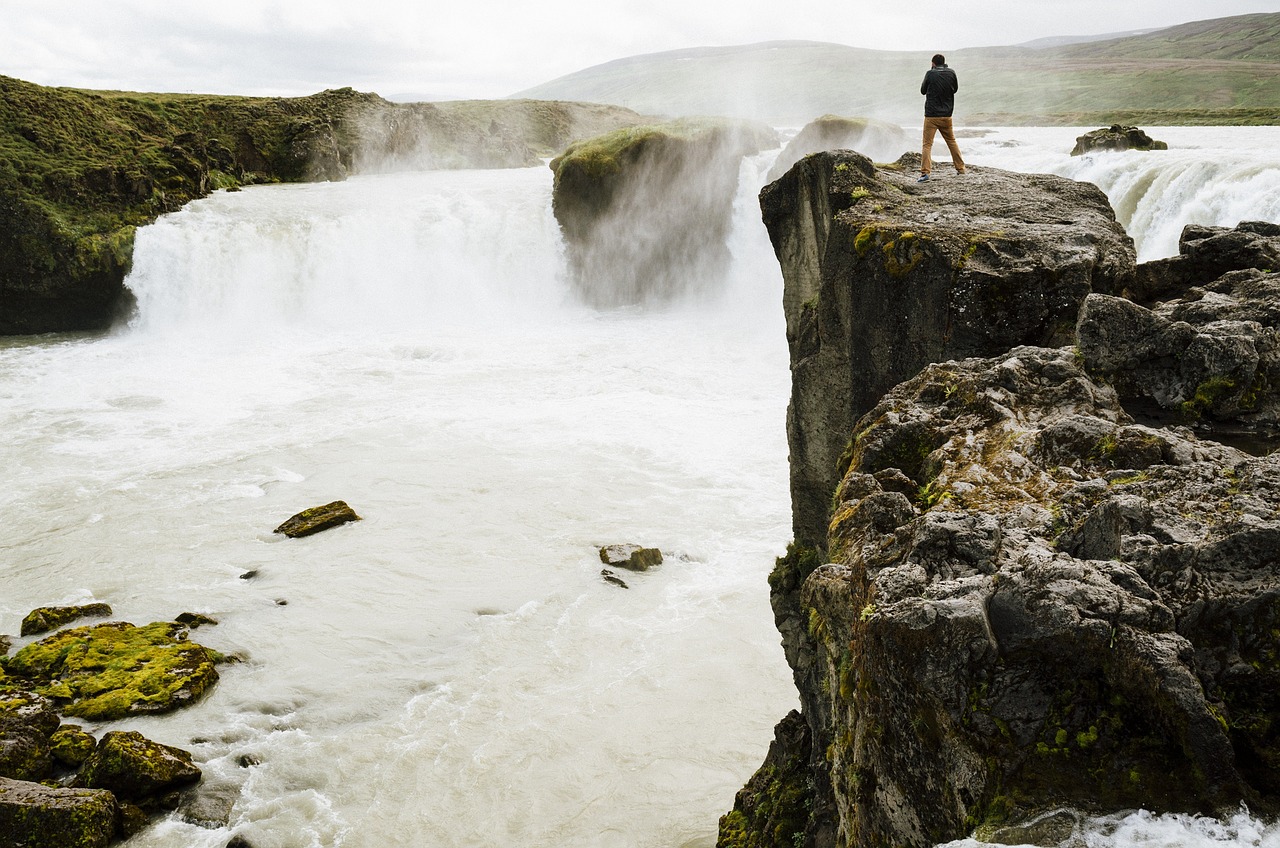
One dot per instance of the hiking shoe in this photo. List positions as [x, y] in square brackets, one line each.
[961, 173]
[924, 178]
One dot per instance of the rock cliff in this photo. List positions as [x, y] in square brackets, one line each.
[884, 275]
[1015, 596]
[79, 170]
[646, 211]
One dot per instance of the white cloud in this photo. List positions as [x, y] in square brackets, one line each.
[487, 49]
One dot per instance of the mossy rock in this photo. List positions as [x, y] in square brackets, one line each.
[109, 671]
[71, 745]
[137, 769]
[44, 619]
[631, 557]
[37, 816]
[318, 518]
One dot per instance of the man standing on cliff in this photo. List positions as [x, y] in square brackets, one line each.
[939, 89]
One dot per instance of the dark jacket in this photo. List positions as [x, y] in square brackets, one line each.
[939, 89]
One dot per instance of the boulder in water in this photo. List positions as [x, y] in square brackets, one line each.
[1116, 137]
[317, 518]
[37, 816]
[44, 619]
[113, 670]
[631, 557]
[136, 769]
[71, 745]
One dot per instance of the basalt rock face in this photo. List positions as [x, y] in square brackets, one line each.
[883, 276]
[1071, 608]
[646, 211]
[1027, 599]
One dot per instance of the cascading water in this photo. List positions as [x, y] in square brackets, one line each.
[1215, 176]
[452, 671]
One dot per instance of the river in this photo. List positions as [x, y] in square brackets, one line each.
[453, 670]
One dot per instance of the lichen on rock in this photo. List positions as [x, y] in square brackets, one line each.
[316, 519]
[113, 670]
[44, 619]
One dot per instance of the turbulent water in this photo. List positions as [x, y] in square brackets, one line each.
[452, 670]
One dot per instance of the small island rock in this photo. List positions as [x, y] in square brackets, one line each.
[630, 557]
[317, 518]
[1116, 137]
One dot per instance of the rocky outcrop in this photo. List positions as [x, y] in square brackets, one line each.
[1027, 602]
[87, 168]
[1116, 138]
[113, 670]
[877, 140]
[316, 519]
[44, 619]
[36, 816]
[1204, 255]
[883, 276]
[646, 211]
[102, 672]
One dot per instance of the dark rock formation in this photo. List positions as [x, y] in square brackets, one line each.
[318, 518]
[44, 619]
[884, 275]
[631, 557]
[645, 211]
[877, 140]
[87, 168]
[194, 619]
[1114, 138]
[80, 669]
[1026, 603]
[1204, 254]
[137, 770]
[36, 816]
[71, 745]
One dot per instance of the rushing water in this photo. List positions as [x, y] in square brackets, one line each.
[452, 670]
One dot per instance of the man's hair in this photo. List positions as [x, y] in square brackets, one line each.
[939, 59]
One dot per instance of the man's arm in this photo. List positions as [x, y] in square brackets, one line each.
[924, 86]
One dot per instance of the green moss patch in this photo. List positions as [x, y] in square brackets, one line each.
[113, 670]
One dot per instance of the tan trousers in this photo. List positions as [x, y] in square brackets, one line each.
[939, 125]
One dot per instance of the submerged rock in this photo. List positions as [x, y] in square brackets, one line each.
[1116, 137]
[883, 276]
[317, 518]
[646, 211]
[631, 557]
[44, 619]
[113, 670]
[613, 579]
[37, 816]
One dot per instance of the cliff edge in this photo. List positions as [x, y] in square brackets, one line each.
[1024, 590]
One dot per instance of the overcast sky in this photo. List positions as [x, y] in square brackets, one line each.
[483, 49]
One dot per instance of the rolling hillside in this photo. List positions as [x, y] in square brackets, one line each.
[1217, 71]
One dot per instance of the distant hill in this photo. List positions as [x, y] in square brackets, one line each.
[1225, 70]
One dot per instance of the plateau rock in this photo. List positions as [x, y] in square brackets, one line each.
[883, 276]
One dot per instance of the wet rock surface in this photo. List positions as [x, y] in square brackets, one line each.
[44, 619]
[37, 816]
[316, 519]
[1116, 138]
[630, 557]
